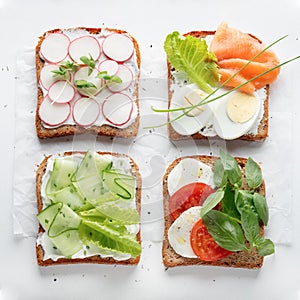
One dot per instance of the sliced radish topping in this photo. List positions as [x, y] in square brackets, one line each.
[46, 75]
[110, 66]
[54, 47]
[54, 114]
[117, 109]
[118, 47]
[84, 46]
[126, 75]
[86, 111]
[83, 74]
[61, 92]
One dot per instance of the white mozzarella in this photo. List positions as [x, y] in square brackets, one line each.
[187, 125]
[225, 127]
[189, 170]
[180, 231]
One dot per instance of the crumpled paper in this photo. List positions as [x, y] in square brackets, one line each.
[151, 149]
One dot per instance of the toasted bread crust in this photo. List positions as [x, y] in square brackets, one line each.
[65, 130]
[240, 259]
[93, 259]
[262, 131]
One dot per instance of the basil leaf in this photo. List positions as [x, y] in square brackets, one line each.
[253, 174]
[243, 199]
[232, 169]
[250, 224]
[228, 203]
[261, 207]
[220, 177]
[226, 232]
[211, 201]
[265, 247]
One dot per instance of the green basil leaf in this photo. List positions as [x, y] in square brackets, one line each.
[211, 201]
[261, 207]
[220, 177]
[253, 174]
[250, 224]
[84, 84]
[232, 169]
[243, 199]
[226, 232]
[265, 247]
[228, 203]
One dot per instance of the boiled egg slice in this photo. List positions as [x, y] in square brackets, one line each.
[192, 120]
[189, 170]
[180, 231]
[236, 114]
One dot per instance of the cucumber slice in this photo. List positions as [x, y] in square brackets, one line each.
[68, 242]
[69, 196]
[120, 184]
[47, 215]
[62, 173]
[103, 162]
[87, 167]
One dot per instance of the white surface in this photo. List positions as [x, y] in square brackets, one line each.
[20, 277]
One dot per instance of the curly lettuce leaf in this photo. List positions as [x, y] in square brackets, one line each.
[109, 238]
[191, 55]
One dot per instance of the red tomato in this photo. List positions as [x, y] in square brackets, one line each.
[204, 245]
[192, 194]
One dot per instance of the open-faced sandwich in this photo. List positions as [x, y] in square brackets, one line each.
[219, 84]
[214, 212]
[88, 209]
[87, 80]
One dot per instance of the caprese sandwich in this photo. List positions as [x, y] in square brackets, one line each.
[215, 211]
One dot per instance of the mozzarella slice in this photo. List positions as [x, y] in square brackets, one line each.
[187, 125]
[180, 231]
[228, 129]
[189, 170]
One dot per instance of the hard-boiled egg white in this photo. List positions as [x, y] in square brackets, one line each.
[189, 170]
[192, 121]
[232, 118]
[180, 231]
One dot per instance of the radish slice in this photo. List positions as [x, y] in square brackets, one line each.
[61, 92]
[84, 46]
[117, 109]
[126, 75]
[118, 47]
[54, 114]
[83, 74]
[86, 111]
[54, 47]
[46, 75]
[110, 66]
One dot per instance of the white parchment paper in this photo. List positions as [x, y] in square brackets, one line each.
[151, 149]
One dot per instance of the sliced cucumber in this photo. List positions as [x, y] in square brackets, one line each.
[103, 162]
[69, 196]
[62, 173]
[120, 184]
[67, 242]
[87, 168]
[47, 215]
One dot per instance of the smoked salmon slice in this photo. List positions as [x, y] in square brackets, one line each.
[233, 50]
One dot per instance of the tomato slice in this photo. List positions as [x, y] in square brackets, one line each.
[192, 194]
[204, 245]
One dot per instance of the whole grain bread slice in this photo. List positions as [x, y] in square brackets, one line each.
[44, 132]
[262, 131]
[240, 259]
[93, 259]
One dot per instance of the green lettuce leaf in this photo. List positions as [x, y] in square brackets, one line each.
[191, 56]
[110, 238]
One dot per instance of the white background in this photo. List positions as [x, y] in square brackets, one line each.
[21, 23]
